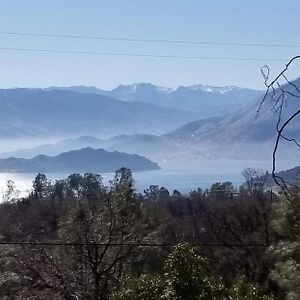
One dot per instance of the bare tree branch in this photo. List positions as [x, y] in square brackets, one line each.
[277, 94]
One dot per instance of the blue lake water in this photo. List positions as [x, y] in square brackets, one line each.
[203, 175]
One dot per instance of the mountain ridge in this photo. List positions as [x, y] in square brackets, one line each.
[199, 98]
[40, 113]
[246, 125]
[83, 160]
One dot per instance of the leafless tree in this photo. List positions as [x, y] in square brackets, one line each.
[276, 93]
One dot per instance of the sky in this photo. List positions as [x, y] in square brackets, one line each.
[231, 21]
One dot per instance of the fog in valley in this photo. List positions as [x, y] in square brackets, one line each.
[212, 137]
[149, 150]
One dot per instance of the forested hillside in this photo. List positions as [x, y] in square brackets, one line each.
[77, 238]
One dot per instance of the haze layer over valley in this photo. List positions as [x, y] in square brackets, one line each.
[177, 128]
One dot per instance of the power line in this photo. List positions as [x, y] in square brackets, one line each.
[70, 244]
[162, 41]
[62, 51]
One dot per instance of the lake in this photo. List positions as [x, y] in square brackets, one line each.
[203, 175]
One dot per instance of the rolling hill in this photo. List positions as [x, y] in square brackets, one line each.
[83, 160]
[149, 145]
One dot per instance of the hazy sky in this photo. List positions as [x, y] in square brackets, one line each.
[255, 21]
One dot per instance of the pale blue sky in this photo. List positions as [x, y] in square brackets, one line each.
[255, 21]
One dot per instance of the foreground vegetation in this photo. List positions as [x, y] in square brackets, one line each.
[81, 239]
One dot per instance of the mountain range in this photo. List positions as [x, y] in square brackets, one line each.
[203, 99]
[247, 124]
[240, 134]
[57, 113]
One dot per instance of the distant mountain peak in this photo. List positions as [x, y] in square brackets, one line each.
[133, 88]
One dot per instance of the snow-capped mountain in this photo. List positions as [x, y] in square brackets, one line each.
[246, 125]
[203, 99]
[208, 100]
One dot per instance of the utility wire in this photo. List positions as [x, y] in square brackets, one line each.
[64, 244]
[162, 41]
[62, 51]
